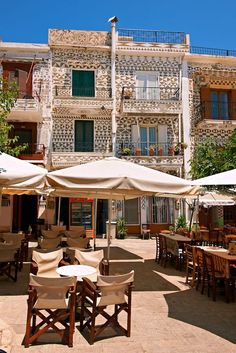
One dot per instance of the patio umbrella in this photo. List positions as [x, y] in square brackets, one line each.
[20, 177]
[215, 199]
[224, 178]
[113, 178]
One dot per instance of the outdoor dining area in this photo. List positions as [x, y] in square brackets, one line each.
[72, 283]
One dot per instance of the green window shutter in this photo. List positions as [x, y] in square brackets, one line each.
[84, 135]
[83, 83]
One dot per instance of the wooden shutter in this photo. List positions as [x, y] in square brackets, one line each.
[205, 102]
[84, 135]
[83, 83]
[232, 104]
[163, 138]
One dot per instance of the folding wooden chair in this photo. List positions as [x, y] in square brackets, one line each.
[110, 290]
[9, 260]
[47, 301]
[44, 264]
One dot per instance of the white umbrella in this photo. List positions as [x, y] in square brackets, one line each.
[19, 177]
[224, 178]
[215, 199]
[113, 178]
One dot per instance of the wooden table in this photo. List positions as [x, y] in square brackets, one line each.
[222, 260]
[174, 242]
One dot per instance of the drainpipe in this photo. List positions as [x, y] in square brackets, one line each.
[113, 21]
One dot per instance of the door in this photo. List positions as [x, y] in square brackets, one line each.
[83, 84]
[84, 136]
[25, 136]
[147, 86]
[148, 137]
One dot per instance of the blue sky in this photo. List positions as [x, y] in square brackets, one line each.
[209, 23]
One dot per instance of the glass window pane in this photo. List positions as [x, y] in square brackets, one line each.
[143, 140]
[131, 211]
[224, 111]
[163, 210]
[214, 105]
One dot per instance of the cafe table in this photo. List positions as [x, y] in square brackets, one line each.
[78, 271]
[174, 242]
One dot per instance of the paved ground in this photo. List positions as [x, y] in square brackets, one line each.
[167, 315]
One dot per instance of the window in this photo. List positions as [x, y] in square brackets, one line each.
[148, 136]
[162, 210]
[83, 83]
[81, 214]
[219, 105]
[131, 211]
[147, 86]
[84, 132]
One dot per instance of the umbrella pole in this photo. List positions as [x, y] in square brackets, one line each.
[59, 211]
[109, 228]
[95, 224]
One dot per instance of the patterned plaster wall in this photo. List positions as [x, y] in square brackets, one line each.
[206, 75]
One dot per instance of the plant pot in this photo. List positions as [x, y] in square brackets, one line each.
[171, 151]
[160, 152]
[151, 152]
[138, 152]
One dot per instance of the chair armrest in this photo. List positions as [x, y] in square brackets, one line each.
[33, 267]
[104, 267]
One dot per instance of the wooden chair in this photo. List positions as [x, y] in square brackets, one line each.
[213, 277]
[191, 266]
[9, 260]
[19, 242]
[201, 271]
[110, 290]
[80, 243]
[47, 301]
[158, 248]
[94, 259]
[44, 264]
[146, 232]
[50, 234]
[48, 244]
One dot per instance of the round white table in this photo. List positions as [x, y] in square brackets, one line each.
[78, 271]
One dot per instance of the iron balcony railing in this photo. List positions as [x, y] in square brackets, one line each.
[150, 93]
[212, 51]
[143, 149]
[82, 92]
[33, 148]
[149, 36]
[218, 110]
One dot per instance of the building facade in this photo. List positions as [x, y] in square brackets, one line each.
[145, 96]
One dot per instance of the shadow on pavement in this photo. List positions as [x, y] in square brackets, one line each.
[195, 309]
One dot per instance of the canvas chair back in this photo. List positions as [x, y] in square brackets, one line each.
[78, 243]
[13, 238]
[8, 251]
[113, 288]
[49, 234]
[75, 234]
[51, 292]
[50, 243]
[58, 229]
[92, 258]
[47, 262]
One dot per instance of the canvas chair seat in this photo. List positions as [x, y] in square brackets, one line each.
[47, 301]
[94, 259]
[47, 262]
[109, 290]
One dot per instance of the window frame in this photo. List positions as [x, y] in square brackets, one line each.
[148, 73]
[71, 88]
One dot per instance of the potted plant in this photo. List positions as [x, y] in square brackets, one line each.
[171, 151]
[160, 151]
[126, 151]
[152, 150]
[121, 228]
[138, 151]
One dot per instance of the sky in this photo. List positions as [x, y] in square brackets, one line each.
[209, 23]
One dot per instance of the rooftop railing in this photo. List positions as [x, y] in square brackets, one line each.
[149, 36]
[212, 51]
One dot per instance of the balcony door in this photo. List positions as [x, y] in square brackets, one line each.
[219, 105]
[148, 137]
[147, 86]
[84, 136]
[83, 83]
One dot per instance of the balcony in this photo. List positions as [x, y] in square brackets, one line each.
[26, 109]
[213, 113]
[33, 152]
[82, 98]
[150, 36]
[212, 51]
[161, 154]
[151, 100]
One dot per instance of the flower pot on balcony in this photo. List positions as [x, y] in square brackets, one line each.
[171, 151]
[151, 152]
[138, 152]
[160, 151]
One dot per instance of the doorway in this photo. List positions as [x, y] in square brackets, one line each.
[24, 212]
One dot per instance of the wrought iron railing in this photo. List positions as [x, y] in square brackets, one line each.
[151, 93]
[212, 51]
[149, 36]
[82, 92]
[218, 111]
[129, 148]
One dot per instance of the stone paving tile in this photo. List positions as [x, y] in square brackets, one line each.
[167, 315]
